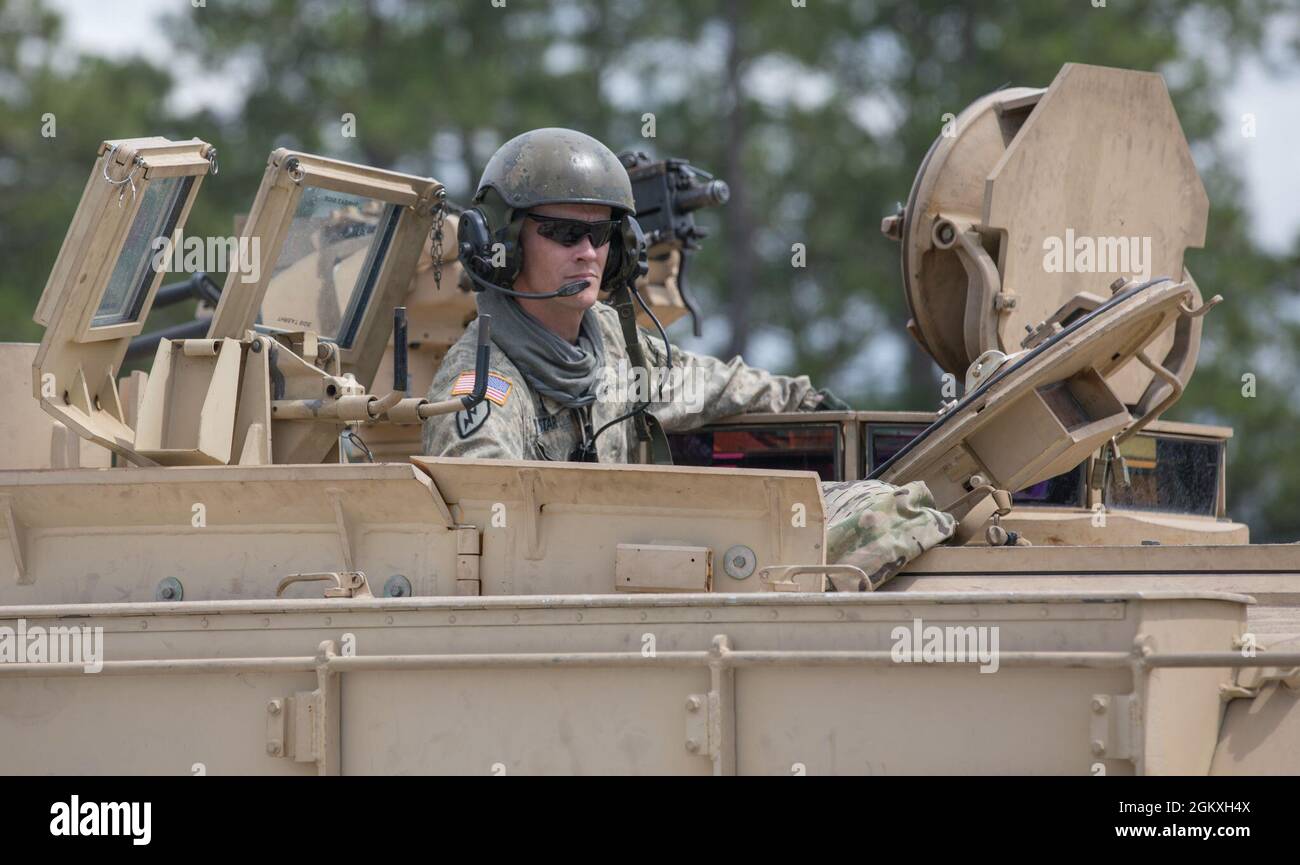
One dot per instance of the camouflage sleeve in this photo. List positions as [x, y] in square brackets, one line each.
[702, 389]
[879, 527]
[493, 429]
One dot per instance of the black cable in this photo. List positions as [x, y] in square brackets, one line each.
[662, 333]
[591, 445]
[356, 439]
[637, 409]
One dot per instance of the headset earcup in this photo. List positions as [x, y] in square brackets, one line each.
[473, 232]
[640, 251]
[475, 242]
[627, 256]
[633, 262]
[488, 223]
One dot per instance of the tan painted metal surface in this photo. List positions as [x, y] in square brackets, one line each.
[687, 684]
[1261, 731]
[1011, 175]
[234, 532]
[34, 439]
[1269, 573]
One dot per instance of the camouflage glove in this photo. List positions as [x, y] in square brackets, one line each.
[879, 527]
[830, 402]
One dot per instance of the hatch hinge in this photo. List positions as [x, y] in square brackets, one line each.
[711, 717]
[304, 728]
[1115, 727]
[468, 556]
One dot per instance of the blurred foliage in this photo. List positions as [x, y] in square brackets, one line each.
[818, 117]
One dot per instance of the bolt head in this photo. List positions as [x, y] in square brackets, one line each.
[693, 704]
[1098, 705]
[273, 748]
[273, 707]
[1098, 747]
[692, 746]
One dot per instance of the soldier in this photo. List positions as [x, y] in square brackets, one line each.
[552, 228]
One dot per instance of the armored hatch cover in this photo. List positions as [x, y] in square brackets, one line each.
[1096, 160]
[1046, 409]
[104, 280]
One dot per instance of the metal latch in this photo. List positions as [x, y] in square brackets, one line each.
[347, 584]
[996, 535]
[845, 578]
[1250, 681]
[1103, 468]
[984, 366]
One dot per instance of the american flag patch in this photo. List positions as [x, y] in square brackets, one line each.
[497, 390]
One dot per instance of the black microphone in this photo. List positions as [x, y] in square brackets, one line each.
[569, 289]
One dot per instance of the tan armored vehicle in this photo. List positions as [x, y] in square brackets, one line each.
[237, 562]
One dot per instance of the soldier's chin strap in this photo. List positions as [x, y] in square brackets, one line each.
[652, 442]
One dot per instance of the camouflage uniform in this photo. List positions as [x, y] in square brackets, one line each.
[879, 527]
[870, 524]
[516, 422]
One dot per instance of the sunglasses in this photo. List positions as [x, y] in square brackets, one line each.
[570, 232]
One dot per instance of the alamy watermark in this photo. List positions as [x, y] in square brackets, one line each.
[625, 383]
[952, 644]
[55, 644]
[1118, 255]
[131, 819]
[181, 254]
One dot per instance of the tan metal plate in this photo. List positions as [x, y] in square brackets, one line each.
[1096, 162]
[1046, 412]
[339, 245]
[103, 283]
[951, 180]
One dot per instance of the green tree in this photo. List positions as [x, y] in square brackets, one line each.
[54, 112]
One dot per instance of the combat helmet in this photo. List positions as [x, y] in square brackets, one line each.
[543, 166]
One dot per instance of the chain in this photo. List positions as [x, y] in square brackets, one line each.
[440, 214]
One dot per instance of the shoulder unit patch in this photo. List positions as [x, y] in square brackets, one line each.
[469, 420]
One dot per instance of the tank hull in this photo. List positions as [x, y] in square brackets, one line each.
[697, 684]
